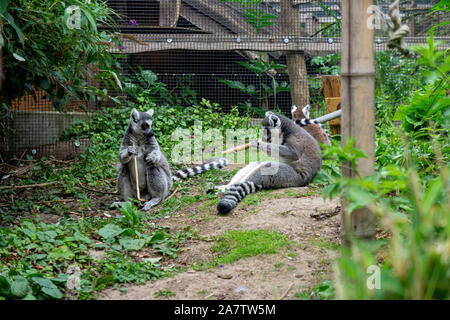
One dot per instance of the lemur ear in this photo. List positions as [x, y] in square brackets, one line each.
[150, 112]
[275, 120]
[134, 115]
[269, 113]
[293, 108]
[306, 111]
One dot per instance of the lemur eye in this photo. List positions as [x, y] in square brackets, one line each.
[144, 126]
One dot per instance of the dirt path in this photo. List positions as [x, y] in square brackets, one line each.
[297, 269]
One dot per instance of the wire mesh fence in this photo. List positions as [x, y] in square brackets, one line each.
[232, 52]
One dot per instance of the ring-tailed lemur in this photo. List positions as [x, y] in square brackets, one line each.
[313, 127]
[155, 178]
[299, 155]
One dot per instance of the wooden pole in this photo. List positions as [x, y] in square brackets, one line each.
[357, 92]
[298, 78]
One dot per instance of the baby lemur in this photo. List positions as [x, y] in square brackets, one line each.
[314, 128]
[299, 156]
[153, 169]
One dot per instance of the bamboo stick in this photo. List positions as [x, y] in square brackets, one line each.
[137, 176]
[238, 148]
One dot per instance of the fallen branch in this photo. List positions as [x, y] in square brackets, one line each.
[173, 193]
[286, 292]
[97, 191]
[37, 185]
[58, 200]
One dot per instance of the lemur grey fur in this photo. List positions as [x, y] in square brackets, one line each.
[299, 156]
[155, 178]
[313, 127]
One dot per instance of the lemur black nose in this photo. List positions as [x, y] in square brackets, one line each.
[144, 126]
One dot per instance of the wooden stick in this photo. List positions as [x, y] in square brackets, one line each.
[137, 178]
[286, 292]
[37, 185]
[173, 193]
[238, 148]
[97, 191]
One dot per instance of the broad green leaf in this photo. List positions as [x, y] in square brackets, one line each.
[110, 231]
[45, 283]
[90, 18]
[158, 237]
[433, 192]
[5, 286]
[359, 198]
[9, 18]
[62, 252]
[52, 292]
[4, 6]
[132, 244]
[152, 260]
[19, 287]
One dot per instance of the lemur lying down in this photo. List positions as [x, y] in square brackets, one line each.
[153, 169]
[313, 127]
[299, 156]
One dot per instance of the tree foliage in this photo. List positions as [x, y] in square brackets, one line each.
[43, 51]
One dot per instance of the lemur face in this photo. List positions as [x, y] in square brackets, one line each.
[142, 122]
[296, 114]
[271, 128]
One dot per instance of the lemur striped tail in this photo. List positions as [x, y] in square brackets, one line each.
[189, 172]
[235, 194]
[304, 122]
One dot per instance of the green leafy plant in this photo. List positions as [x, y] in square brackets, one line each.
[431, 103]
[262, 69]
[323, 291]
[328, 64]
[34, 60]
[254, 15]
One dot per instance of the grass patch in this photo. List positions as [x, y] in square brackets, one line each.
[165, 293]
[323, 291]
[238, 244]
[323, 244]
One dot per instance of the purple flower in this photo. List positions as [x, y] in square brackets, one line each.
[123, 47]
[133, 22]
[220, 265]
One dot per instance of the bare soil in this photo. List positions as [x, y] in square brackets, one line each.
[308, 220]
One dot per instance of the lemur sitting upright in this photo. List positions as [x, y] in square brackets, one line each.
[314, 128]
[153, 170]
[299, 155]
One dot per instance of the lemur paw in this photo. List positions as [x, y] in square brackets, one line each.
[153, 157]
[131, 151]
